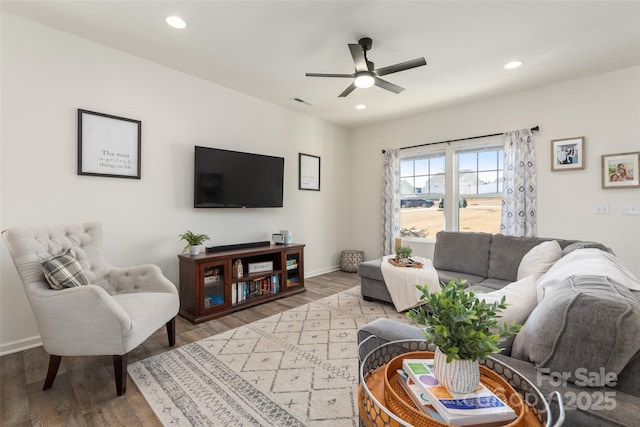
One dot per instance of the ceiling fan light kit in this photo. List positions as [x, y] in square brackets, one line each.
[364, 80]
[365, 74]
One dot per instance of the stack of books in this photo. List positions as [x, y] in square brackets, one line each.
[482, 407]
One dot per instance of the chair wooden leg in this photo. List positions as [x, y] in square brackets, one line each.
[120, 368]
[54, 364]
[171, 331]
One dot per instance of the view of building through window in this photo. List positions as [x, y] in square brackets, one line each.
[479, 188]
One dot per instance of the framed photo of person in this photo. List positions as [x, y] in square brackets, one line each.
[620, 170]
[567, 154]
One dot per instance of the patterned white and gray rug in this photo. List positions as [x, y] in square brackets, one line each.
[297, 368]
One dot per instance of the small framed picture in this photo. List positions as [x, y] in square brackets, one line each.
[567, 154]
[308, 172]
[620, 170]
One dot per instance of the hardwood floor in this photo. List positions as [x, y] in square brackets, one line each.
[84, 392]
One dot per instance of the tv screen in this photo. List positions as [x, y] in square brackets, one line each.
[232, 179]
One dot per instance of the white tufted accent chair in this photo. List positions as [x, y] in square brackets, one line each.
[119, 310]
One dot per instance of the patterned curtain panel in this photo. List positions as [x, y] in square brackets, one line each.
[390, 201]
[519, 194]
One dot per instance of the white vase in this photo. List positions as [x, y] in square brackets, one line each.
[458, 376]
[194, 250]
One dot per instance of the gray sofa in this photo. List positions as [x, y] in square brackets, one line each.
[487, 261]
[587, 323]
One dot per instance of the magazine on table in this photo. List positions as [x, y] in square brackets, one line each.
[478, 407]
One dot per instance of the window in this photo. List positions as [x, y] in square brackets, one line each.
[422, 175]
[422, 185]
[480, 187]
[476, 185]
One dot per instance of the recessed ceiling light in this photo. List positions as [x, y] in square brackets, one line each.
[360, 107]
[176, 22]
[513, 64]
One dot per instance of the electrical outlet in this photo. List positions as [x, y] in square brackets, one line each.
[602, 209]
[631, 210]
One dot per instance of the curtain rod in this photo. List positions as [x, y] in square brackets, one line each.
[533, 129]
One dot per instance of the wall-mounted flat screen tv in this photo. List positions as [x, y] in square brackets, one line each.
[233, 179]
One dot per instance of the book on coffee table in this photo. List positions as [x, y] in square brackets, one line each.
[417, 396]
[479, 407]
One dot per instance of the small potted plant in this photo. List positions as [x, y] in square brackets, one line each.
[193, 241]
[403, 253]
[464, 329]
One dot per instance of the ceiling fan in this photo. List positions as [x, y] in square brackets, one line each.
[366, 75]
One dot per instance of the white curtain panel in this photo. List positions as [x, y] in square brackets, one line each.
[519, 194]
[390, 201]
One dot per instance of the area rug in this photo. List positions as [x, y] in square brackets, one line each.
[296, 368]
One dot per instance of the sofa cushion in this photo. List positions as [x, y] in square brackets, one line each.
[539, 259]
[491, 284]
[591, 322]
[462, 252]
[63, 271]
[445, 276]
[505, 255]
[586, 262]
[584, 245]
[521, 300]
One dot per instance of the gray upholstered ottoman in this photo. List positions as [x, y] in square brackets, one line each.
[372, 286]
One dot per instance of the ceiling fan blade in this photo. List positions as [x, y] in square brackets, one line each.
[418, 62]
[348, 90]
[388, 86]
[329, 75]
[358, 57]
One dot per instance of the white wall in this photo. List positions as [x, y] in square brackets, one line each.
[47, 75]
[605, 109]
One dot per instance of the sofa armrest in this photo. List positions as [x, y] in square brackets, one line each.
[385, 330]
[142, 278]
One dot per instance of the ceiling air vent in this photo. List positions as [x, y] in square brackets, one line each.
[300, 100]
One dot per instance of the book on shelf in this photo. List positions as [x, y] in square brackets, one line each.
[480, 407]
[241, 291]
[417, 396]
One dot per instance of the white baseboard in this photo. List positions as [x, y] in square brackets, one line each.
[20, 345]
[321, 271]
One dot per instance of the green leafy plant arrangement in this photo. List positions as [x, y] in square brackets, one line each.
[403, 251]
[460, 324]
[193, 239]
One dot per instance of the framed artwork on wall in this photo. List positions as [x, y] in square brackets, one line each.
[567, 154]
[620, 170]
[108, 145]
[308, 172]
